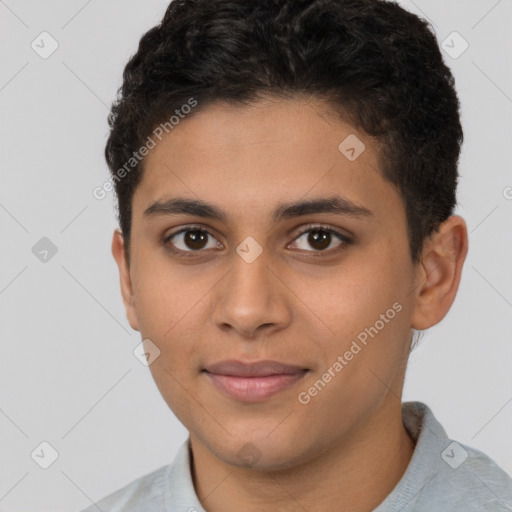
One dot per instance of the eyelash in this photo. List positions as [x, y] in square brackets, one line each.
[314, 227]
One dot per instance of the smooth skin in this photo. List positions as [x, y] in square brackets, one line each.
[299, 302]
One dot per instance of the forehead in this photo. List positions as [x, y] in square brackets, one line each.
[272, 151]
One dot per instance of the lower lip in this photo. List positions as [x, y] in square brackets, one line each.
[253, 389]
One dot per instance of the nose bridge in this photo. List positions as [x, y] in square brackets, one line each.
[251, 297]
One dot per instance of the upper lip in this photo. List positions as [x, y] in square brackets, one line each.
[255, 369]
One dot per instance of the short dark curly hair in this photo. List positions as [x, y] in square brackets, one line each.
[378, 66]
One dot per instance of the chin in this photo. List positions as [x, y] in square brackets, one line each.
[262, 452]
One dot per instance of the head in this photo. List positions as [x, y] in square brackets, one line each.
[248, 124]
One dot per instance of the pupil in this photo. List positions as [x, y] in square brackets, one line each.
[195, 239]
[319, 239]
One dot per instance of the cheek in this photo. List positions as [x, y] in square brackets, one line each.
[362, 360]
[172, 311]
[162, 295]
[167, 309]
[366, 307]
[353, 297]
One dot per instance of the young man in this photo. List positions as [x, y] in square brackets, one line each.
[286, 174]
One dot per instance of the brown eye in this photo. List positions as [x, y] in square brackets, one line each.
[190, 240]
[195, 239]
[320, 239]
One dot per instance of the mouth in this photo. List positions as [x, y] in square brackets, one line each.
[253, 382]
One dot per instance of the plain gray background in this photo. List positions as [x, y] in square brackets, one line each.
[68, 376]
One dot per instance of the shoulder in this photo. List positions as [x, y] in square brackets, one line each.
[444, 474]
[146, 491]
[478, 479]
[166, 489]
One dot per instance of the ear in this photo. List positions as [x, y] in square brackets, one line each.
[119, 253]
[439, 272]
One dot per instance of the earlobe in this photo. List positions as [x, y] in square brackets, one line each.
[118, 251]
[439, 272]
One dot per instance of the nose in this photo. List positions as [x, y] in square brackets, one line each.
[251, 300]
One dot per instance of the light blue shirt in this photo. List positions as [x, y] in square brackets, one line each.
[442, 476]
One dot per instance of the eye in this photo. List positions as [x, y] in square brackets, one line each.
[192, 240]
[189, 240]
[321, 239]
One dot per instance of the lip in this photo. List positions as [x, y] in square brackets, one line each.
[264, 368]
[253, 382]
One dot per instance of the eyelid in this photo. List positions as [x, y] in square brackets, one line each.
[184, 229]
[322, 227]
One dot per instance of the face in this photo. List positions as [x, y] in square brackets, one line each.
[271, 271]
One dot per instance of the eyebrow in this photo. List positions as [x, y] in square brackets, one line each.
[334, 204]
